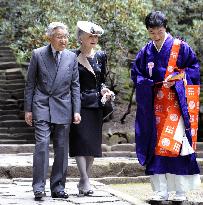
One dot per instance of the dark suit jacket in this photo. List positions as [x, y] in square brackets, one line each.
[52, 93]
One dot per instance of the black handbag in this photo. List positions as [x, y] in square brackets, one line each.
[90, 99]
[108, 109]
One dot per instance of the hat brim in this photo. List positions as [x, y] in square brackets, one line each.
[90, 28]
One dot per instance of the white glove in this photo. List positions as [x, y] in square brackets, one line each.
[109, 95]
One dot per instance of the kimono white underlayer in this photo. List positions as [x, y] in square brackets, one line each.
[172, 182]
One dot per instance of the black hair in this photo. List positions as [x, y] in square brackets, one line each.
[155, 19]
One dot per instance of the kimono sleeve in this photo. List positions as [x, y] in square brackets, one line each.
[138, 72]
[144, 123]
[187, 60]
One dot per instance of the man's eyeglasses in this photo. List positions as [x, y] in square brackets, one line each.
[62, 37]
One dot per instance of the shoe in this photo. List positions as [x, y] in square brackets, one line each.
[39, 195]
[180, 196]
[83, 191]
[86, 192]
[159, 196]
[60, 194]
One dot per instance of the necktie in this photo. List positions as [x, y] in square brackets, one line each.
[57, 60]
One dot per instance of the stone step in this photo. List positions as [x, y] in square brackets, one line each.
[20, 101]
[2, 77]
[7, 65]
[7, 101]
[20, 165]
[30, 147]
[9, 107]
[123, 147]
[3, 48]
[14, 71]
[12, 90]
[2, 91]
[132, 147]
[119, 154]
[18, 148]
[7, 59]
[12, 87]
[18, 136]
[3, 130]
[9, 117]
[199, 154]
[6, 54]
[17, 76]
[13, 141]
[18, 94]
[11, 81]
[11, 71]
[9, 112]
[3, 41]
[133, 154]
[2, 73]
[14, 77]
[5, 95]
[15, 130]
[13, 123]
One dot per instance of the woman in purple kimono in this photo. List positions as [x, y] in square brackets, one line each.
[171, 168]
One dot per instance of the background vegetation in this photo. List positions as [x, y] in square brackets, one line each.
[23, 23]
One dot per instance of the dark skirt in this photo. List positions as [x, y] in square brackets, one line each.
[86, 137]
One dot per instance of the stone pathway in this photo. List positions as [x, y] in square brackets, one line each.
[19, 192]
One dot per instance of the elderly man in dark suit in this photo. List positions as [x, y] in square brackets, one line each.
[52, 99]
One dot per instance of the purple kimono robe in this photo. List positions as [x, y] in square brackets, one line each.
[148, 68]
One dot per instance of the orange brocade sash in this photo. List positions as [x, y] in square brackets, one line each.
[167, 111]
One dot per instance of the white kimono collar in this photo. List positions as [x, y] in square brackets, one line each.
[166, 35]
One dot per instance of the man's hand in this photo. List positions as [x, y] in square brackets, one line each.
[28, 118]
[77, 118]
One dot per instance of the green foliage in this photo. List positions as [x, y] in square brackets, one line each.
[23, 24]
[122, 21]
[185, 19]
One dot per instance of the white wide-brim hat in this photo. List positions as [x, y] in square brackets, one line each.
[90, 27]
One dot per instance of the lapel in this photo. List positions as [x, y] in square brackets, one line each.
[83, 61]
[63, 66]
[49, 61]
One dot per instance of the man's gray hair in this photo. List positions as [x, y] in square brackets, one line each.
[52, 26]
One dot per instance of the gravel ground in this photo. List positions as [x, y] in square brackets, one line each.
[143, 191]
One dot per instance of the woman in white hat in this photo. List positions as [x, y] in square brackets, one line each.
[86, 138]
